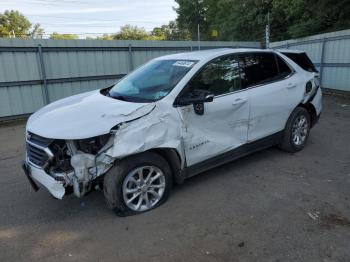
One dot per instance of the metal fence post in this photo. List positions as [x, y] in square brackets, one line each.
[322, 60]
[131, 64]
[43, 76]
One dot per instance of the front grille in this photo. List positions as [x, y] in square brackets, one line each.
[36, 149]
[39, 140]
[36, 155]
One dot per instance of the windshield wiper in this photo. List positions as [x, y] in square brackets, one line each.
[119, 97]
[129, 98]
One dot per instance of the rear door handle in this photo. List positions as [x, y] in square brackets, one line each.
[239, 101]
[291, 85]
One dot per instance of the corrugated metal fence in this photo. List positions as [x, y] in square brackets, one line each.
[36, 72]
[331, 54]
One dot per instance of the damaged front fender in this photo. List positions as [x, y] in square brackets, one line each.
[157, 130]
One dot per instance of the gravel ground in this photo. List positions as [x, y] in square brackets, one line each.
[270, 206]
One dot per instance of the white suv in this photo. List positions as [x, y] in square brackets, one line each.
[172, 118]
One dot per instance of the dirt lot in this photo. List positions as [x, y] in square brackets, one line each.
[270, 206]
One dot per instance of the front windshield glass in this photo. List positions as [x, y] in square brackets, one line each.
[152, 81]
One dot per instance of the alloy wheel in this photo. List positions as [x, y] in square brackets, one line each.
[300, 130]
[143, 188]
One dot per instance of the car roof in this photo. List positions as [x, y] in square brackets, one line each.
[210, 53]
[290, 51]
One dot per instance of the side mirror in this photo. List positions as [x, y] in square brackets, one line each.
[197, 96]
[209, 98]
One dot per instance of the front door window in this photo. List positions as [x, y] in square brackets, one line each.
[219, 77]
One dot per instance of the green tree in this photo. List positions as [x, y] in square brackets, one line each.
[38, 31]
[312, 17]
[103, 37]
[130, 32]
[192, 13]
[56, 35]
[170, 31]
[13, 23]
[246, 19]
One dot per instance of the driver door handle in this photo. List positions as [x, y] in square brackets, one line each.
[239, 101]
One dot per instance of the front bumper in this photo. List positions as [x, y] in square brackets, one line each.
[37, 175]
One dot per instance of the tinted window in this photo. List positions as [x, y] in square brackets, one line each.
[302, 60]
[220, 76]
[258, 68]
[283, 68]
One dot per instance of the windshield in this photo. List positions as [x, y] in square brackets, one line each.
[152, 81]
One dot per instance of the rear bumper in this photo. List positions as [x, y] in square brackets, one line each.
[317, 101]
[39, 176]
[315, 121]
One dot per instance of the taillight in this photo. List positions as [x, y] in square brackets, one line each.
[308, 87]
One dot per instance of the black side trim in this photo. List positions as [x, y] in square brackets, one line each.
[234, 154]
[313, 95]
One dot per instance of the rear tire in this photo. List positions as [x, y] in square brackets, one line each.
[137, 184]
[297, 131]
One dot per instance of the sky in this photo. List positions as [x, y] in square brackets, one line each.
[93, 17]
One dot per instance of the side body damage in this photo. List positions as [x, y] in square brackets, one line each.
[74, 142]
[78, 162]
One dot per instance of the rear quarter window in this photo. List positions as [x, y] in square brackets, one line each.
[301, 60]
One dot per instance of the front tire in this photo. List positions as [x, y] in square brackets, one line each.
[297, 131]
[138, 184]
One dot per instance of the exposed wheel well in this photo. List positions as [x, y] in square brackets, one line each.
[312, 111]
[173, 158]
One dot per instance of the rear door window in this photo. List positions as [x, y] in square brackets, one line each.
[301, 60]
[283, 69]
[258, 68]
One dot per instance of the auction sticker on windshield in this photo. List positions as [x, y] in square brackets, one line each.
[184, 63]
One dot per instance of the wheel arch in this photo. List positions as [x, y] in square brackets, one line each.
[172, 156]
[310, 108]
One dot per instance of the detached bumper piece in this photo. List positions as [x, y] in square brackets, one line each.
[37, 175]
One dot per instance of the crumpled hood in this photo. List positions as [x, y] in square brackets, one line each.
[85, 115]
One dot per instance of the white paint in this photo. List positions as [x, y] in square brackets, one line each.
[271, 105]
[223, 127]
[228, 122]
[83, 116]
[53, 186]
[159, 129]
